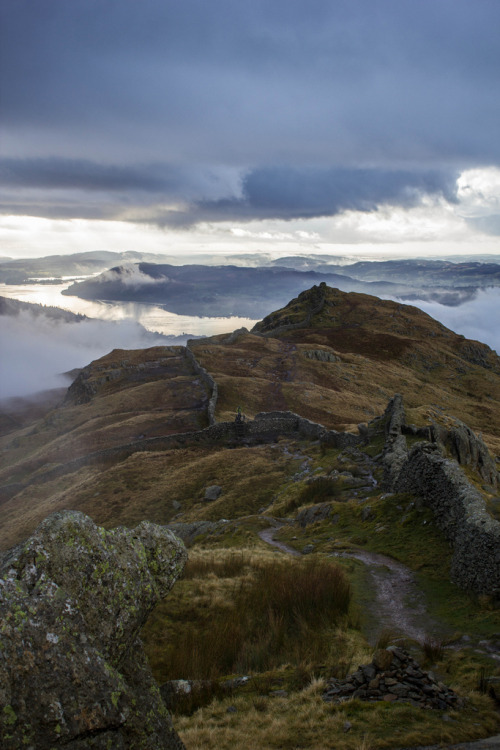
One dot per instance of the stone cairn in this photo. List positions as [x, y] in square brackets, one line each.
[393, 676]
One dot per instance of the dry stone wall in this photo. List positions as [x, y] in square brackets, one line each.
[460, 512]
[209, 382]
[265, 427]
[459, 508]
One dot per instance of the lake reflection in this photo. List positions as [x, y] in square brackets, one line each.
[153, 318]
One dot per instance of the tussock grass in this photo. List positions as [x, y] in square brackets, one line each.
[265, 613]
[433, 650]
[319, 489]
[221, 566]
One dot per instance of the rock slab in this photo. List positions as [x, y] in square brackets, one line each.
[73, 673]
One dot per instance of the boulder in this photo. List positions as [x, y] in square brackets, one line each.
[212, 492]
[73, 673]
[313, 514]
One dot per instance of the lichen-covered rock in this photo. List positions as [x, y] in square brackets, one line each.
[73, 598]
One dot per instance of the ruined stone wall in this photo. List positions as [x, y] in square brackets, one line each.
[460, 513]
[209, 382]
[265, 426]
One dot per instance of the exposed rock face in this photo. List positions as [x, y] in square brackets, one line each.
[395, 450]
[393, 676]
[73, 598]
[189, 531]
[321, 355]
[123, 368]
[467, 448]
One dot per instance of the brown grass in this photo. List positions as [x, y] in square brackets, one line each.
[274, 612]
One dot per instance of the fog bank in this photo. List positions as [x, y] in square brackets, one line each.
[476, 319]
[37, 350]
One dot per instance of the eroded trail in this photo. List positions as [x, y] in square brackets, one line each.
[399, 604]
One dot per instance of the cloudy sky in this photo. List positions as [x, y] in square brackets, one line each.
[281, 126]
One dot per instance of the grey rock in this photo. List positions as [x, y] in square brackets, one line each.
[388, 678]
[73, 598]
[367, 513]
[212, 492]
[321, 355]
[313, 514]
[308, 549]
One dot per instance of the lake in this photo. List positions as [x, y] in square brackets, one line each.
[152, 317]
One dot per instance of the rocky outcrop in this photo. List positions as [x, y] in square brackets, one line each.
[189, 532]
[394, 677]
[73, 598]
[467, 448]
[122, 368]
[313, 514]
[395, 450]
[308, 304]
[320, 355]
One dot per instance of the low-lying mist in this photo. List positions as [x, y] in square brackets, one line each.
[36, 350]
[476, 319]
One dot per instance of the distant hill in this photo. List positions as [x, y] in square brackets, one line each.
[211, 290]
[10, 306]
[419, 275]
[50, 267]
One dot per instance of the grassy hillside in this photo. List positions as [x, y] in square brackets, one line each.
[372, 349]
[244, 608]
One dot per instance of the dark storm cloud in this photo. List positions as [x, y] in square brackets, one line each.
[299, 84]
[82, 174]
[281, 192]
[289, 193]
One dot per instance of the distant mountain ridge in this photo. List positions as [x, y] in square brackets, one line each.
[237, 290]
